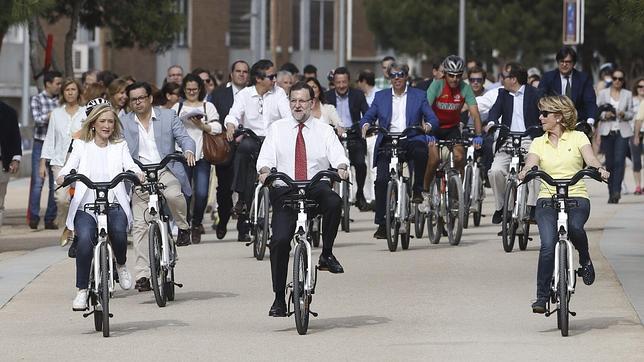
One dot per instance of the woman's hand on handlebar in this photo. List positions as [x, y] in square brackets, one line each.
[230, 132]
[343, 173]
[60, 180]
[190, 158]
[604, 173]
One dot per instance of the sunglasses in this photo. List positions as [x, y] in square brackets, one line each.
[640, 86]
[545, 114]
[208, 80]
[476, 80]
[271, 76]
[451, 75]
[621, 79]
[394, 75]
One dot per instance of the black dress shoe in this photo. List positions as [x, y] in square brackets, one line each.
[245, 237]
[278, 309]
[497, 217]
[331, 264]
[539, 306]
[417, 198]
[183, 239]
[381, 233]
[51, 226]
[33, 223]
[143, 285]
[587, 272]
[362, 204]
[220, 230]
[196, 234]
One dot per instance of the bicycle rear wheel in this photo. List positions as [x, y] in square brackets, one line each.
[406, 219]
[104, 288]
[509, 225]
[478, 203]
[434, 220]
[300, 295]
[419, 221]
[390, 217]
[467, 194]
[262, 228]
[157, 272]
[562, 289]
[455, 209]
[169, 284]
[523, 239]
[346, 207]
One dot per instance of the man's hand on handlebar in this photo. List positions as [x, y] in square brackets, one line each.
[343, 172]
[604, 173]
[477, 142]
[427, 127]
[364, 130]
[60, 180]
[190, 158]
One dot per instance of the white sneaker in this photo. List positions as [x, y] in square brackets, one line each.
[125, 278]
[80, 302]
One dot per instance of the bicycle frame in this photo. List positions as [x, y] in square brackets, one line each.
[562, 225]
[153, 207]
[302, 238]
[396, 172]
[102, 238]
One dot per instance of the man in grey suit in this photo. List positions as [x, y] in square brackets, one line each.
[151, 133]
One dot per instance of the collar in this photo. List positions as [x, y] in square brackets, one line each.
[519, 92]
[153, 116]
[256, 93]
[393, 93]
[236, 89]
[307, 123]
[344, 96]
[564, 136]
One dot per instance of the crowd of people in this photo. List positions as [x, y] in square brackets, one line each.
[101, 124]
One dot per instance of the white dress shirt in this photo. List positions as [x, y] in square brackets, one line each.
[195, 132]
[486, 101]
[323, 149]
[371, 95]
[148, 151]
[59, 134]
[257, 112]
[563, 82]
[398, 111]
[518, 122]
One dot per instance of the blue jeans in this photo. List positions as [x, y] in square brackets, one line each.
[199, 176]
[85, 229]
[35, 189]
[615, 147]
[547, 220]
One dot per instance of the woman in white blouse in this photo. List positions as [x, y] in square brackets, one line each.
[193, 91]
[99, 154]
[324, 112]
[63, 123]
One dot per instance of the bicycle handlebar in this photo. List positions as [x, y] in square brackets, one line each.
[591, 172]
[503, 127]
[281, 176]
[74, 177]
[158, 166]
[387, 133]
[241, 130]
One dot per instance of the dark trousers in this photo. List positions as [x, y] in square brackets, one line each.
[284, 222]
[36, 186]
[199, 176]
[85, 229]
[357, 152]
[225, 194]
[245, 175]
[416, 152]
[547, 220]
[615, 147]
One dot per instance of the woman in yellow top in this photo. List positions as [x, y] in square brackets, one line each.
[560, 152]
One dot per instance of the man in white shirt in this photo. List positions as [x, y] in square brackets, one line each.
[301, 134]
[255, 108]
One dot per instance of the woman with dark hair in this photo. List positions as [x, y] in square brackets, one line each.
[615, 128]
[322, 111]
[117, 97]
[168, 96]
[204, 119]
[636, 145]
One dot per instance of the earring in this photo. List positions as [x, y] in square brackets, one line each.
[93, 129]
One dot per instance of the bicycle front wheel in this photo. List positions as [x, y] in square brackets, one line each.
[509, 224]
[262, 226]
[169, 284]
[390, 217]
[478, 203]
[104, 288]
[434, 220]
[346, 206]
[300, 294]
[562, 289]
[157, 272]
[455, 209]
[467, 194]
[405, 219]
[419, 221]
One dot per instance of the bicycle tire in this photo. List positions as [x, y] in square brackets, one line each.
[157, 272]
[434, 221]
[346, 207]
[169, 285]
[455, 209]
[262, 225]
[315, 232]
[509, 225]
[419, 222]
[105, 288]
[98, 314]
[523, 239]
[300, 298]
[405, 237]
[390, 216]
[467, 194]
[562, 289]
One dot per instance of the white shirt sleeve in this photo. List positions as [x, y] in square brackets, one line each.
[334, 149]
[213, 118]
[236, 111]
[268, 153]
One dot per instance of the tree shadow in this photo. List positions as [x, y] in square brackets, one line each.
[324, 324]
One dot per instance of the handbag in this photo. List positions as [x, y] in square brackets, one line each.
[215, 148]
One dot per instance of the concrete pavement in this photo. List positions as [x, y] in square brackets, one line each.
[432, 302]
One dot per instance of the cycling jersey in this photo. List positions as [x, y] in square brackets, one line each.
[447, 102]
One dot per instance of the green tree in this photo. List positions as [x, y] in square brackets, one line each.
[19, 12]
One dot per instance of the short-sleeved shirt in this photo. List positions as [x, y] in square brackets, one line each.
[447, 103]
[561, 162]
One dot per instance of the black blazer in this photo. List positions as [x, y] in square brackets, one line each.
[357, 104]
[223, 99]
[504, 107]
[10, 140]
[582, 92]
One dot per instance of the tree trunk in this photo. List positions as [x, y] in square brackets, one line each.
[37, 44]
[70, 37]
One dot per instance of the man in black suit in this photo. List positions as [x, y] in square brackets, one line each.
[517, 107]
[576, 85]
[10, 150]
[351, 105]
[223, 99]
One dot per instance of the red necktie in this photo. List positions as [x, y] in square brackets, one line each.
[300, 155]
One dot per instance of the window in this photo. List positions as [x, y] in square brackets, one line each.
[240, 15]
[322, 18]
[181, 39]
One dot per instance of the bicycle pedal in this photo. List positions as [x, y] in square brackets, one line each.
[288, 314]
[111, 315]
[572, 313]
[178, 284]
[85, 315]
[250, 243]
[313, 313]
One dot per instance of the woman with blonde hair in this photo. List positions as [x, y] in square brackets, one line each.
[560, 152]
[63, 122]
[100, 154]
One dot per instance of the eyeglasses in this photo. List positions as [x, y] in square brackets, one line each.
[192, 90]
[208, 80]
[394, 75]
[565, 62]
[476, 80]
[139, 99]
[621, 79]
[271, 76]
[545, 114]
[299, 101]
[452, 75]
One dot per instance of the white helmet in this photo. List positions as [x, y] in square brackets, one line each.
[453, 64]
[96, 102]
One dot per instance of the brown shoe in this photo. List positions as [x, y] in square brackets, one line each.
[196, 234]
[143, 285]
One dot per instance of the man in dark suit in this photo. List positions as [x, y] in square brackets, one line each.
[517, 105]
[10, 150]
[576, 85]
[351, 105]
[396, 109]
[223, 99]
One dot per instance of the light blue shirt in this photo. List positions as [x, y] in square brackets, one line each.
[342, 105]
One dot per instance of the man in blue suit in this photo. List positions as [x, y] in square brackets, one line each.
[576, 85]
[396, 109]
[151, 133]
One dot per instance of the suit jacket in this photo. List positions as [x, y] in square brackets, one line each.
[357, 104]
[417, 109]
[10, 136]
[625, 105]
[582, 91]
[504, 107]
[168, 129]
[118, 160]
[223, 99]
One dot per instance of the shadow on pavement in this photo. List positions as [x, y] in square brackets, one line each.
[123, 329]
[581, 326]
[324, 324]
[196, 295]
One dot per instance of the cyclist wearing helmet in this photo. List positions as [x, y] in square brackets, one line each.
[447, 96]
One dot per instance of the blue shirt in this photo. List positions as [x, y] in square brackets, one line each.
[342, 105]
